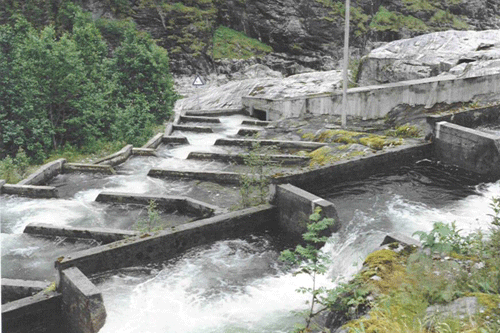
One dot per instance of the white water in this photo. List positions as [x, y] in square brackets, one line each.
[77, 206]
[237, 286]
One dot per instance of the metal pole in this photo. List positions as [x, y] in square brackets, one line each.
[346, 64]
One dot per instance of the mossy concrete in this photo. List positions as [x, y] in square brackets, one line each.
[166, 244]
[240, 158]
[170, 203]
[82, 302]
[104, 235]
[282, 144]
[40, 313]
[15, 289]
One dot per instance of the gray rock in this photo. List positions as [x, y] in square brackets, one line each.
[461, 53]
[461, 308]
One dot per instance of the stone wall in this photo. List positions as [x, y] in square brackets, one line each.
[357, 168]
[468, 148]
[377, 101]
[295, 205]
[82, 303]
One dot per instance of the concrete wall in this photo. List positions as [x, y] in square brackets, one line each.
[357, 168]
[376, 101]
[44, 173]
[295, 205]
[167, 244]
[31, 191]
[469, 118]
[14, 289]
[182, 204]
[82, 303]
[117, 158]
[92, 168]
[36, 314]
[103, 235]
[467, 148]
[154, 142]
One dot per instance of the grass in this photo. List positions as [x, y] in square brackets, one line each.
[232, 44]
[13, 170]
[408, 282]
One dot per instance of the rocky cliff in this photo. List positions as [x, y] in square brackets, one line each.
[304, 34]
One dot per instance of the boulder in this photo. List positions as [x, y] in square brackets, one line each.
[461, 53]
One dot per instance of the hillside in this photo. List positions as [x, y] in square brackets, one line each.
[294, 35]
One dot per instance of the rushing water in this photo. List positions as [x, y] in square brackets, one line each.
[233, 285]
[77, 206]
[239, 286]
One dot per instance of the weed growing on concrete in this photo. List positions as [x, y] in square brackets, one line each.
[404, 131]
[153, 222]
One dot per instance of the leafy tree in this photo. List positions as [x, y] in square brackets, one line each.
[313, 262]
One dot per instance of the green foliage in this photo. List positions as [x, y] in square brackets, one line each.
[385, 20]
[63, 87]
[310, 260]
[153, 222]
[232, 44]
[404, 131]
[358, 19]
[254, 184]
[446, 238]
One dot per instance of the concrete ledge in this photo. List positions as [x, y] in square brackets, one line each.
[144, 151]
[240, 158]
[198, 119]
[82, 303]
[468, 149]
[170, 203]
[117, 158]
[167, 244]
[169, 128]
[93, 168]
[103, 235]
[44, 173]
[214, 112]
[40, 313]
[301, 145]
[248, 131]
[181, 140]
[154, 142]
[213, 176]
[197, 129]
[2, 183]
[397, 237]
[295, 205]
[14, 289]
[359, 167]
[371, 102]
[469, 118]
[255, 122]
[30, 191]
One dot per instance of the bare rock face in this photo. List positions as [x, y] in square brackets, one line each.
[257, 80]
[460, 53]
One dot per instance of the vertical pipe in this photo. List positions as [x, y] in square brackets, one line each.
[346, 64]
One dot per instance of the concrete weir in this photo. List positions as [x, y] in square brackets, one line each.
[166, 244]
[184, 205]
[103, 235]
[300, 145]
[198, 119]
[14, 289]
[213, 176]
[240, 158]
[467, 148]
[197, 129]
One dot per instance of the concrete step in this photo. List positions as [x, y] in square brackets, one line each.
[240, 158]
[199, 119]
